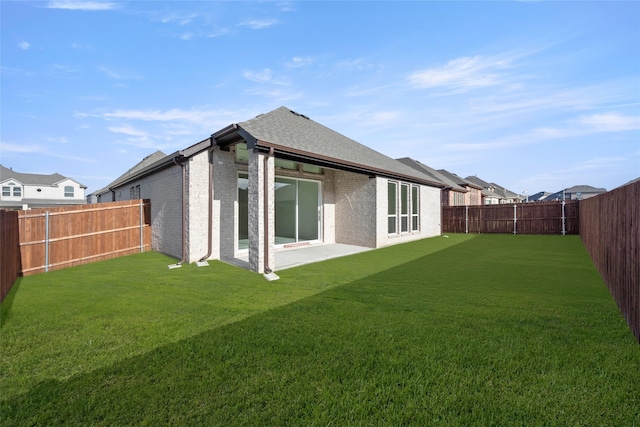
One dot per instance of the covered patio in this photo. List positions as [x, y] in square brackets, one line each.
[296, 256]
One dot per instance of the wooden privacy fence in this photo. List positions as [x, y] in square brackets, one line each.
[41, 240]
[610, 231]
[54, 238]
[9, 251]
[520, 218]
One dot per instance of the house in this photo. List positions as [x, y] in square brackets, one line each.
[473, 192]
[457, 191]
[540, 196]
[277, 181]
[493, 193]
[30, 190]
[577, 192]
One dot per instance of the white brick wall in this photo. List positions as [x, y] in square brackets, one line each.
[164, 189]
[198, 206]
[225, 205]
[355, 209]
[429, 215]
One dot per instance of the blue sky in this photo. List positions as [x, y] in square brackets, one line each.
[530, 95]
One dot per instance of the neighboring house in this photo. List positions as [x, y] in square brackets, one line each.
[279, 180]
[451, 193]
[473, 192]
[538, 197]
[493, 193]
[457, 190]
[30, 190]
[577, 192]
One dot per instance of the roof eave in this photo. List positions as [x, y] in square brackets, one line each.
[335, 163]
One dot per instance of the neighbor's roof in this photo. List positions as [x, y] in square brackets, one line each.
[585, 189]
[459, 180]
[432, 174]
[33, 178]
[297, 137]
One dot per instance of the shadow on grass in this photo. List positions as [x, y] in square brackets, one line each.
[7, 303]
[442, 338]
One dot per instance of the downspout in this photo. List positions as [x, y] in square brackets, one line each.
[210, 228]
[267, 269]
[184, 202]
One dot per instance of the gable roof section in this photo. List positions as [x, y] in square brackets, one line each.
[432, 174]
[147, 161]
[296, 137]
[33, 178]
[459, 180]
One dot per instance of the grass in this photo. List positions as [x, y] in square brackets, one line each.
[469, 330]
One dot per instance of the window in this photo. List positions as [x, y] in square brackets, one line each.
[134, 192]
[68, 191]
[408, 202]
[6, 191]
[242, 155]
[404, 208]
[392, 216]
[17, 191]
[311, 168]
[286, 164]
[415, 208]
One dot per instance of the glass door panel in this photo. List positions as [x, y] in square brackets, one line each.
[286, 201]
[243, 211]
[308, 215]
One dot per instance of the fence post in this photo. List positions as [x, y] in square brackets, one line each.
[46, 242]
[563, 217]
[515, 219]
[141, 229]
[466, 219]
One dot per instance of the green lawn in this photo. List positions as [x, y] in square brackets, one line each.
[465, 330]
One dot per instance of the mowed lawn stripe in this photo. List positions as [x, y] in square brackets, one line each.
[507, 330]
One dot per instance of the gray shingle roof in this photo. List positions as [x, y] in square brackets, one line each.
[295, 133]
[32, 178]
[432, 173]
[147, 161]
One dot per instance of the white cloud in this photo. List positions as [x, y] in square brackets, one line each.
[8, 147]
[461, 74]
[34, 149]
[64, 68]
[263, 76]
[82, 5]
[299, 61]
[611, 122]
[118, 75]
[59, 140]
[186, 36]
[128, 130]
[258, 24]
[24, 45]
[358, 64]
[179, 18]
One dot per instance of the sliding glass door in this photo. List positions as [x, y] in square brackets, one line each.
[297, 211]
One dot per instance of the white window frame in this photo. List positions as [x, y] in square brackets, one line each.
[69, 191]
[392, 208]
[415, 208]
[404, 202]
